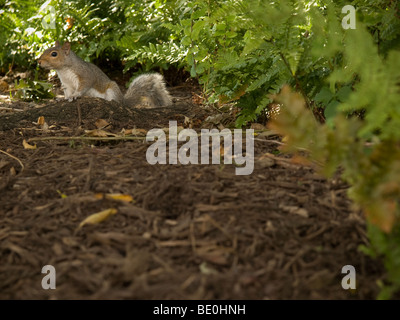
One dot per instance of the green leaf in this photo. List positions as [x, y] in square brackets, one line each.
[344, 93]
[331, 110]
[197, 28]
[324, 96]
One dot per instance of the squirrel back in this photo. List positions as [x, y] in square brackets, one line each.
[80, 78]
[148, 89]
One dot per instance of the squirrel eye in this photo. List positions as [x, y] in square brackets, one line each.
[54, 54]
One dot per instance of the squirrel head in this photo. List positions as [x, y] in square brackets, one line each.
[55, 57]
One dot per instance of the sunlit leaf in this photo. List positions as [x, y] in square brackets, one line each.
[98, 217]
[28, 146]
[115, 196]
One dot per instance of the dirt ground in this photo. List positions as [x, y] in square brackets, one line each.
[190, 231]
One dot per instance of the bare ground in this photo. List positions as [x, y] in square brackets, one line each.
[191, 232]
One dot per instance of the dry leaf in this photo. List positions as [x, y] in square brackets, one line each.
[27, 145]
[99, 133]
[115, 196]
[134, 132]
[40, 121]
[98, 217]
[3, 86]
[101, 123]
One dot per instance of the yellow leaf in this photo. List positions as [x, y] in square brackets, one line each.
[41, 121]
[62, 195]
[98, 217]
[115, 196]
[27, 145]
[119, 196]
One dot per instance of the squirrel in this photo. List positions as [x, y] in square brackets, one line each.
[80, 78]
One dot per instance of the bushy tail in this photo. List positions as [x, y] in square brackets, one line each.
[148, 91]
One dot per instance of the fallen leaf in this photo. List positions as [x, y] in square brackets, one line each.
[99, 133]
[101, 123]
[27, 145]
[134, 132]
[3, 86]
[62, 195]
[115, 196]
[98, 217]
[40, 121]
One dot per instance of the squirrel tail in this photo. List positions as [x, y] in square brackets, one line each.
[148, 91]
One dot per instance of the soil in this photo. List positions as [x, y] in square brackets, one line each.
[190, 231]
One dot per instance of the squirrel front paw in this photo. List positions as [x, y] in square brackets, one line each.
[70, 99]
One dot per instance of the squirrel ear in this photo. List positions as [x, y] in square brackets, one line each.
[57, 43]
[66, 48]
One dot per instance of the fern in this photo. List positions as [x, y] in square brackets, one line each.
[358, 76]
[158, 54]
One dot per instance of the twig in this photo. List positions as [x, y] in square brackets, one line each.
[85, 138]
[11, 109]
[15, 158]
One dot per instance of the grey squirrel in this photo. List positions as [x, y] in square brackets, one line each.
[80, 78]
